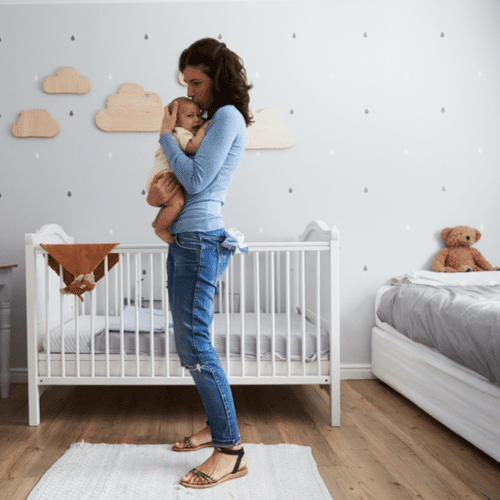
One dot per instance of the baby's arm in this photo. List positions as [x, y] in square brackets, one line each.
[193, 145]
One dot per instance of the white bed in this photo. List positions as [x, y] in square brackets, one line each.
[460, 398]
[279, 300]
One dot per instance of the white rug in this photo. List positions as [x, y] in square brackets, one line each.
[150, 472]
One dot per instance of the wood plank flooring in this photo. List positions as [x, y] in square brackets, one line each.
[386, 448]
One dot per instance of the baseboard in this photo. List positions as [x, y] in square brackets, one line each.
[18, 375]
[348, 371]
[355, 371]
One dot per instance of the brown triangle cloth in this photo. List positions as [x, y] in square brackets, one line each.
[83, 264]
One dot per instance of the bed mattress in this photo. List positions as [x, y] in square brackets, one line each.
[220, 327]
[460, 321]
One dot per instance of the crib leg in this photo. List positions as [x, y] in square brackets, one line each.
[335, 403]
[34, 393]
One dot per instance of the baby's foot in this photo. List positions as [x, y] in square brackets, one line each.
[165, 235]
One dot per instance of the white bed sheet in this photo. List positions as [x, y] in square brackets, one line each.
[220, 326]
[461, 399]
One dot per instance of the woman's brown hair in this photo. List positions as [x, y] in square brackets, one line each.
[226, 70]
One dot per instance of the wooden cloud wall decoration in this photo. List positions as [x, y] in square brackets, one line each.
[67, 81]
[131, 110]
[37, 123]
[269, 131]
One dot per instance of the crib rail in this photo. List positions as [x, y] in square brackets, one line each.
[276, 302]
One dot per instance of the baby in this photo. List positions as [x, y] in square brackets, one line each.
[188, 134]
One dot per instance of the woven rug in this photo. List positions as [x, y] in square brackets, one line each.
[125, 472]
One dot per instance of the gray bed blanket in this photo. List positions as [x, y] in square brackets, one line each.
[461, 322]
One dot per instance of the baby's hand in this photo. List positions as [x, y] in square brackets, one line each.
[202, 130]
[157, 177]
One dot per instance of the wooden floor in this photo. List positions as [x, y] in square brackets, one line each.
[386, 447]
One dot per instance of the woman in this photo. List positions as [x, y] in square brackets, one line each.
[216, 81]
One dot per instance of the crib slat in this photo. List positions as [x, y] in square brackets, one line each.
[288, 323]
[231, 274]
[106, 313]
[47, 312]
[273, 318]
[278, 275]
[77, 329]
[303, 309]
[242, 312]
[318, 313]
[257, 309]
[114, 312]
[151, 317]
[137, 298]
[61, 310]
[165, 308]
[267, 282]
[92, 341]
[122, 325]
[128, 280]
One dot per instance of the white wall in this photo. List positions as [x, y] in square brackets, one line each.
[395, 104]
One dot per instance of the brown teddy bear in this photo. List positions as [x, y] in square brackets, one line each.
[459, 257]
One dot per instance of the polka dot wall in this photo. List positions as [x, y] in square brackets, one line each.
[395, 107]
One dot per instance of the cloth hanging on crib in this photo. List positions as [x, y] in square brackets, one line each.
[235, 241]
[83, 264]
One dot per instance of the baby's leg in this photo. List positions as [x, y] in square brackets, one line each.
[155, 222]
[168, 215]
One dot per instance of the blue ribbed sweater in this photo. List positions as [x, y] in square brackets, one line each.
[206, 176]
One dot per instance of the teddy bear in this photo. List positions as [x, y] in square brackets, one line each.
[81, 284]
[459, 257]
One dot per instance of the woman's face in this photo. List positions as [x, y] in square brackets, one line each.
[199, 87]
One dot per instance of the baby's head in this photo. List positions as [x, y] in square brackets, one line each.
[188, 114]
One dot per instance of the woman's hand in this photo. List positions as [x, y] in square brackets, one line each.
[163, 188]
[169, 120]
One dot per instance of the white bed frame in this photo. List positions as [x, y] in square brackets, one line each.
[284, 278]
[461, 399]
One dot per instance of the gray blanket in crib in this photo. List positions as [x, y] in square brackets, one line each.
[461, 322]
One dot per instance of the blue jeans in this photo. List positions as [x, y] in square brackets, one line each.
[195, 264]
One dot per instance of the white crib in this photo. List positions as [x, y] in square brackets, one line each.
[280, 300]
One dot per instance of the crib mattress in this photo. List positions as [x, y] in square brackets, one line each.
[220, 328]
[461, 322]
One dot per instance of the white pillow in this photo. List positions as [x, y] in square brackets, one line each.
[144, 320]
[481, 278]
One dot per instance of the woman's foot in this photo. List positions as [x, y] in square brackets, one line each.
[202, 439]
[218, 466]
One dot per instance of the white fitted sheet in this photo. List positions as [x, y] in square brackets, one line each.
[220, 326]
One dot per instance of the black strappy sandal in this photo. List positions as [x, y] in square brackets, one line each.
[208, 482]
[189, 446]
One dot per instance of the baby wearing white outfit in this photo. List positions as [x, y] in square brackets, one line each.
[188, 133]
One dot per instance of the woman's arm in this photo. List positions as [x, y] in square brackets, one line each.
[197, 172]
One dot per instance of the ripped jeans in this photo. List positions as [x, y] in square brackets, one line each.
[196, 262]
